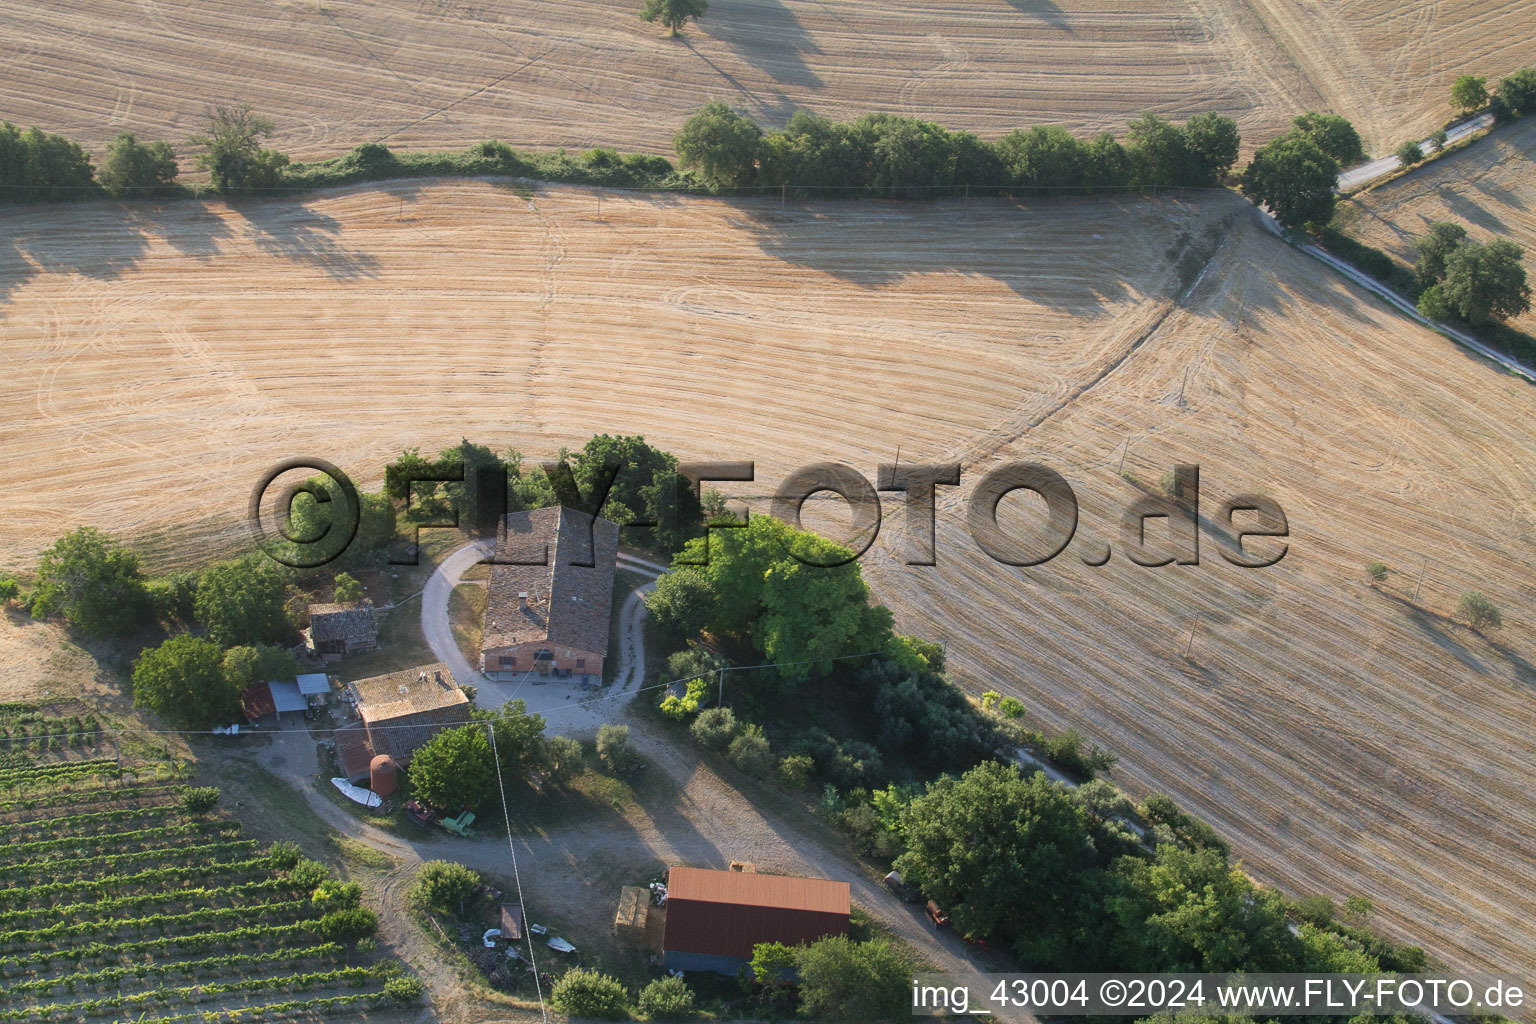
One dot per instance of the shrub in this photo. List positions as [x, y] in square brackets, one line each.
[334, 894]
[715, 728]
[348, 589]
[989, 699]
[1378, 571]
[1011, 707]
[1469, 92]
[9, 589]
[404, 989]
[795, 771]
[1479, 612]
[586, 993]
[199, 799]
[750, 752]
[666, 999]
[1316, 909]
[614, 748]
[444, 885]
[562, 758]
[307, 874]
[1440, 139]
[1409, 153]
[347, 925]
[283, 855]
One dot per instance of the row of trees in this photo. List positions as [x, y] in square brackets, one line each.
[885, 154]
[36, 165]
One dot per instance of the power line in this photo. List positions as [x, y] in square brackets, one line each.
[517, 877]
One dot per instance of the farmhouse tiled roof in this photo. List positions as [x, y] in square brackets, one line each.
[352, 623]
[412, 690]
[568, 603]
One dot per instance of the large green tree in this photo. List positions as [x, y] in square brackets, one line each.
[519, 736]
[454, 768]
[720, 144]
[37, 165]
[682, 603]
[242, 602]
[1487, 282]
[233, 156]
[1295, 178]
[646, 488]
[853, 982]
[1212, 142]
[1469, 92]
[93, 582]
[1435, 248]
[674, 14]
[183, 680]
[1333, 134]
[245, 666]
[132, 167]
[1046, 159]
[1008, 855]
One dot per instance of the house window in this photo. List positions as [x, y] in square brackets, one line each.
[581, 662]
[508, 662]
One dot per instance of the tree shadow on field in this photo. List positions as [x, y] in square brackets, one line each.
[98, 242]
[772, 112]
[1433, 627]
[772, 39]
[1046, 11]
[291, 229]
[197, 233]
[1471, 211]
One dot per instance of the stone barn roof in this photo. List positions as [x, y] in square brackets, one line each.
[352, 623]
[568, 603]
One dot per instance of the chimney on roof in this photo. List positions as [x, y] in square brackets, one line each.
[439, 677]
[522, 600]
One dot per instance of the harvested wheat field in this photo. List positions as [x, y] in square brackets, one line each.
[1348, 739]
[582, 73]
[1389, 65]
[1488, 188]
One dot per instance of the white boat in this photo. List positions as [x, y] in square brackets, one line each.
[357, 794]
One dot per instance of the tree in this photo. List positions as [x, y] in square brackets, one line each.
[1479, 612]
[348, 589]
[1159, 152]
[667, 999]
[1409, 153]
[1358, 907]
[1212, 143]
[721, 144]
[1440, 138]
[1006, 854]
[1189, 910]
[674, 14]
[714, 728]
[444, 885]
[750, 752]
[1517, 93]
[1377, 571]
[172, 595]
[907, 157]
[1295, 178]
[562, 758]
[242, 602]
[245, 666]
[454, 768]
[94, 582]
[1435, 248]
[1469, 92]
[853, 982]
[682, 603]
[1333, 134]
[132, 167]
[586, 993]
[1487, 282]
[183, 681]
[9, 589]
[234, 158]
[519, 735]
[614, 747]
[1044, 160]
[36, 165]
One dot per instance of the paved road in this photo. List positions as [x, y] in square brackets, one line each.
[1367, 172]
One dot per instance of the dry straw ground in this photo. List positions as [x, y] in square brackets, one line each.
[548, 73]
[1348, 739]
[1489, 188]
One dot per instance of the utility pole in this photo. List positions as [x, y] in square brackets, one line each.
[1189, 647]
[1126, 450]
[720, 700]
[1421, 579]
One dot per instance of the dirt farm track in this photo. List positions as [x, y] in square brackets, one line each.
[1346, 738]
[548, 73]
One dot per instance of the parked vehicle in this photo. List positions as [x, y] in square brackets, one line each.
[894, 883]
[419, 812]
[937, 915]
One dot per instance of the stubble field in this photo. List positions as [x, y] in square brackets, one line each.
[1349, 739]
[1489, 189]
[580, 73]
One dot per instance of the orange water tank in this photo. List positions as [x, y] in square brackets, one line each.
[383, 775]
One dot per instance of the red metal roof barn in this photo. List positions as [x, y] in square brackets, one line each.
[714, 918]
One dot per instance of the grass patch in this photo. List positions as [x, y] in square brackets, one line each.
[466, 616]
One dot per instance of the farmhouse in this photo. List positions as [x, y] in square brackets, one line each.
[550, 595]
[714, 918]
[398, 713]
[338, 629]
